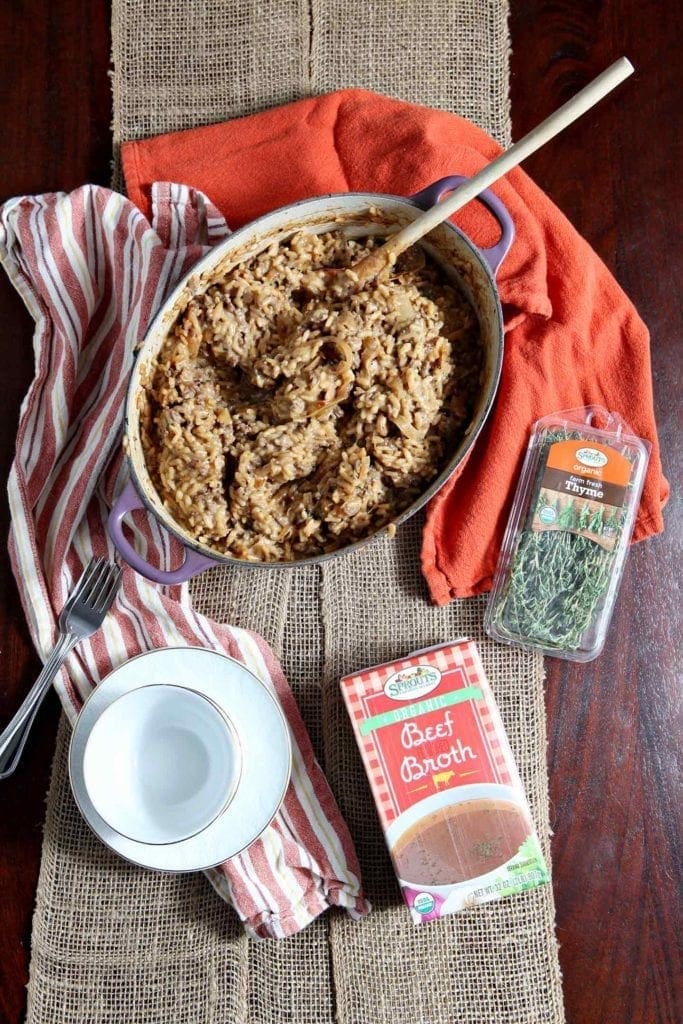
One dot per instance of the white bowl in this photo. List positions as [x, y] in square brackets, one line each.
[161, 763]
[253, 711]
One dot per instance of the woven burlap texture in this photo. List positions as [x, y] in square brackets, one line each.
[112, 943]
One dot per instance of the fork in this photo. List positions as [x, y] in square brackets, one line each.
[81, 616]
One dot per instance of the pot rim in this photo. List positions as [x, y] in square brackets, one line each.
[213, 256]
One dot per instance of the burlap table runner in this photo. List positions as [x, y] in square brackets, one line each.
[112, 943]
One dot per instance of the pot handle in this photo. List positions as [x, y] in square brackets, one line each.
[128, 500]
[435, 192]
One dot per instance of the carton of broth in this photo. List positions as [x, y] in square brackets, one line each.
[449, 797]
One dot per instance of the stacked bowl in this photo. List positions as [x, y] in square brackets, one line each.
[180, 759]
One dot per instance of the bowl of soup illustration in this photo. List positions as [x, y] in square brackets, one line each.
[443, 843]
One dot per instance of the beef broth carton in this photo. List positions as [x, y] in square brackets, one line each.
[449, 797]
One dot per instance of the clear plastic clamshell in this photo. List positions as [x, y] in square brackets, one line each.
[567, 538]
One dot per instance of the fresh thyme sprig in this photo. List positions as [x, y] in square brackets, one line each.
[558, 580]
[557, 583]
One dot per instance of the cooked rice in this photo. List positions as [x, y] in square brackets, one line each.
[280, 425]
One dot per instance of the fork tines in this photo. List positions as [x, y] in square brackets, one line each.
[98, 585]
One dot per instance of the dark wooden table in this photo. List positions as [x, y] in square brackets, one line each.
[614, 725]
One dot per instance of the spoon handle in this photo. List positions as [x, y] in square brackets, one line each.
[537, 137]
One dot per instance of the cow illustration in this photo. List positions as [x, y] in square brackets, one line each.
[442, 778]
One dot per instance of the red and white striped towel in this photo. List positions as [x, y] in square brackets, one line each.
[92, 271]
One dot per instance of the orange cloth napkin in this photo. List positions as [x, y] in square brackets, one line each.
[572, 336]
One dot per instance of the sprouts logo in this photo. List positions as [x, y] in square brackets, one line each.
[412, 683]
[591, 457]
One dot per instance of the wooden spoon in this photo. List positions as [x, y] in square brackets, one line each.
[371, 265]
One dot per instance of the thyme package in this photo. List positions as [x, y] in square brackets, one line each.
[567, 538]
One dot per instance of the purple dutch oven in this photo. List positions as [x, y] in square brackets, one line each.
[473, 268]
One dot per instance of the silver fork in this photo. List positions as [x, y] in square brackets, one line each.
[81, 616]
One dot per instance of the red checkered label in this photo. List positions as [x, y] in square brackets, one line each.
[427, 723]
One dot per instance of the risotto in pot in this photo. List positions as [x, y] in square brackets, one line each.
[282, 422]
